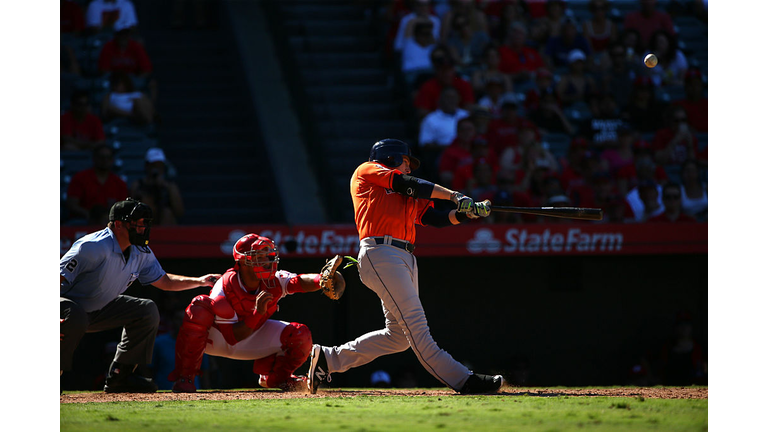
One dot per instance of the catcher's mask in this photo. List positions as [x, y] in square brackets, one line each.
[135, 214]
[257, 252]
[389, 152]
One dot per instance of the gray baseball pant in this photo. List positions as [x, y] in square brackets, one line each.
[138, 317]
[392, 273]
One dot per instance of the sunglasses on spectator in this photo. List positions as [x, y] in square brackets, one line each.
[681, 119]
[671, 196]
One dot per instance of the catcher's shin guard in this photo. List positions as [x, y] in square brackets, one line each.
[296, 342]
[192, 338]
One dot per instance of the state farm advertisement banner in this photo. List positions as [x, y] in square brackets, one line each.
[470, 239]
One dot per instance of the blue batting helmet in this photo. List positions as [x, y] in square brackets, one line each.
[389, 152]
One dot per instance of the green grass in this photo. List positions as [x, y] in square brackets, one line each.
[393, 413]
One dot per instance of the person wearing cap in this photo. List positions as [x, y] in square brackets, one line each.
[125, 54]
[675, 142]
[558, 48]
[92, 191]
[95, 273]
[576, 86]
[156, 190]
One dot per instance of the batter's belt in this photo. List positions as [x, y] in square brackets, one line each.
[402, 244]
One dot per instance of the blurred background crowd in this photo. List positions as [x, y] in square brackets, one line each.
[523, 102]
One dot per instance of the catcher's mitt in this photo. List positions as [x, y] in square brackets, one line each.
[332, 282]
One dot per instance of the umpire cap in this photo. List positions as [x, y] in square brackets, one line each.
[130, 210]
[389, 152]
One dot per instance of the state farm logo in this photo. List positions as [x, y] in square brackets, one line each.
[483, 241]
[521, 240]
[303, 243]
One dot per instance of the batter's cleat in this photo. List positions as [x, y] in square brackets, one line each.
[184, 385]
[122, 379]
[482, 384]
[318, 369]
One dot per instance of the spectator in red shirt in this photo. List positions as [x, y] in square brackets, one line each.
[673, 209]
[503, 132]
[676, 142]
[464, 172]
[80, 129]
[643, 167]
[549, 116]
[647, 20]
[428, 96]
[93, 191]
[124, 54]
[459, 152]
[694, 103]
[517, 59]
[72, 17]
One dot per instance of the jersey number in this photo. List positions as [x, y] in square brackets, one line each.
[71, 265]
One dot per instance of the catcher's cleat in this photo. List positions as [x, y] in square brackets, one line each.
[482, 384]
[318, 369]
[184, 385]
[122, 379]
[295, 384]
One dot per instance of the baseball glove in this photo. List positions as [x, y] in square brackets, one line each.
[332, 282]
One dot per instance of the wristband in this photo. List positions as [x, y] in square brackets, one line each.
[316, 280]
[462, 217]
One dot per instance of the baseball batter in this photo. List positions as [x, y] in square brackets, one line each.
[388, 203]
[95, 272]
[233, 320]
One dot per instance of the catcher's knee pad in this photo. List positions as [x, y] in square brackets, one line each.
[296, 340]
[200, 312]
[296, 343]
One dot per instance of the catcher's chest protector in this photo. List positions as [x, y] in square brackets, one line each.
[244, 302]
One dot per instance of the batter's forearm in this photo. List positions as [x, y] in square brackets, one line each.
[443, 193]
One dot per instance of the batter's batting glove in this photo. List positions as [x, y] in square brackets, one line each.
[482, 209]
[464, 204]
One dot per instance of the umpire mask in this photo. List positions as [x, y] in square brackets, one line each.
[131, 212]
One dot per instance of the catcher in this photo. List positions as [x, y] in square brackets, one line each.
[233, 320]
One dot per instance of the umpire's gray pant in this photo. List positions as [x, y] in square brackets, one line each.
[138, 317]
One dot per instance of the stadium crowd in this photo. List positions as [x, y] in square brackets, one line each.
[523, 103]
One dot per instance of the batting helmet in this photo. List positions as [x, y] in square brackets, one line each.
[389, 152]
[257, 252]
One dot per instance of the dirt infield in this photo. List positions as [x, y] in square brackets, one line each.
[645, 392]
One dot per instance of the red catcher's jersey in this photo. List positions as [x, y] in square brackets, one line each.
[244, 302]
[379, 210]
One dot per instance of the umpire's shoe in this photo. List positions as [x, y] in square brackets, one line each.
[122, 379]
[318, 369]
[482, 384]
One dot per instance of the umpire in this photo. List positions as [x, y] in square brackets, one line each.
[95, 272]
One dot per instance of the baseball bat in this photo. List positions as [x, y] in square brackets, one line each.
[561, 212]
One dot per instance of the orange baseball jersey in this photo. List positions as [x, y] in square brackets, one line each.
[379, 210]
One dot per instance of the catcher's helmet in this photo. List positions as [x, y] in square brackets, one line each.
[257, 252]
[389, 152]
[131, 211]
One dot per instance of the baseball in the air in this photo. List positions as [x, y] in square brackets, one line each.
[651, 60]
